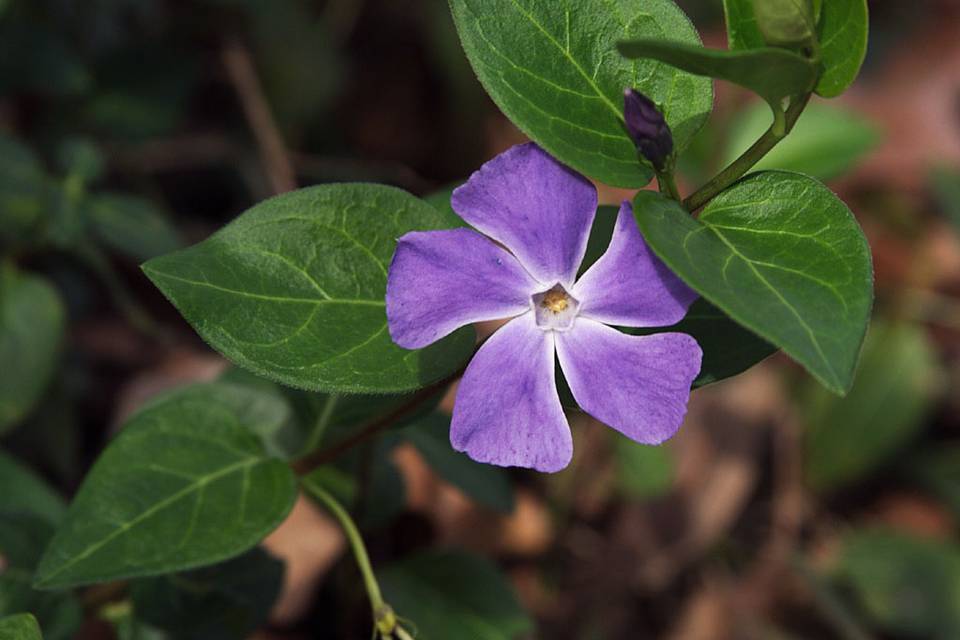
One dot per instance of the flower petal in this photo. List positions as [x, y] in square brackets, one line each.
[441, 280]
[533, 205]
[639, 385]
[507, 410]
[629, 286]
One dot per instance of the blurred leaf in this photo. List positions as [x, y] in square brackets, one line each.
[906, 585]
[825, 142]
[771, 73]
[24, 195]
[23, 536]
[946, 187]
[32, 321]
[132, 226]
[550, 67]
[642, 471]
[486, 484]
[848, 438]
[22, 626]
[810, 296]
[843, 44]
[939, 470]
[294, 290]
[24, 491]
[186, 484]
[742, 29]
[80, 158]
[59, 614]
[36, 59]
[448, 594]
[222, 602]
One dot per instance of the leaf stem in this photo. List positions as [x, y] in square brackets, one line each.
[668, 185]
[384, 618]
[736, 169]
[315, 437]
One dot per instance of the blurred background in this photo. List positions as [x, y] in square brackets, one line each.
[132, 127]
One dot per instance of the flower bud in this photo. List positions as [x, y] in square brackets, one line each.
[785, 23]
[647, 128]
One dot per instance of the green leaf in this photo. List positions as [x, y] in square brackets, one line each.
[222, 602]
[23, 491]
[848, 438]
[785, 22]
[824, 143]
[133, 226]
[22, 626]
[843, 44]
[742, 29]
[905, 584]
[60, 614]
[783, 256]
[728, 348]
[187, 483]
[79, 158]
[294, 290]
[32, 319]
[771, 73]
[550, 66]
[488, 485]
[642, 471]
[448, 594]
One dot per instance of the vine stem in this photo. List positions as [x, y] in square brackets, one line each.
[668, 185]
[384, 618]
[736, 169]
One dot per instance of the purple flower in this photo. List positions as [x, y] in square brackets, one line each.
[534, 217]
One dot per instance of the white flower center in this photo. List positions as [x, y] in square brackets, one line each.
[554, 309]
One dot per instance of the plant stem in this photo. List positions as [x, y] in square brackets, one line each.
[750, 157]
[315, 437]
[829, 605]
[668, 185]
[383, 616]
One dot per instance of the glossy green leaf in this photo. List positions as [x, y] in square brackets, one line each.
[32, 319]
[824, 143]
[294, 290]
[187, 483]
[848, 438]
[742, 29]
[21, 626]
[642, 471]
[130, 225]
[487, 484]
[783, 256]
[771, 73]
[552, 68]
[447, 594]
[24, 491]
[222, 602]
[904, 584]
[843, 44]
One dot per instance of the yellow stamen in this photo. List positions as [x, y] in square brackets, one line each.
[556, 301]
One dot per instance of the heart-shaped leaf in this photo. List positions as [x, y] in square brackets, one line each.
[771, 73]
[551, 67]
[186, 483]
[783, 256]
[294, 290]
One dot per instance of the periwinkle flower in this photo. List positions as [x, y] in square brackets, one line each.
[534, 216]
[648, 128]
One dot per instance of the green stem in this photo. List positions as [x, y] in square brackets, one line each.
[750, 157]
[668, 185]
[315, 437]
[383, 616]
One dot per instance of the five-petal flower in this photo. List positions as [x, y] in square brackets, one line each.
[534, 217]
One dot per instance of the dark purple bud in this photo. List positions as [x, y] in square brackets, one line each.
[646, 126]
